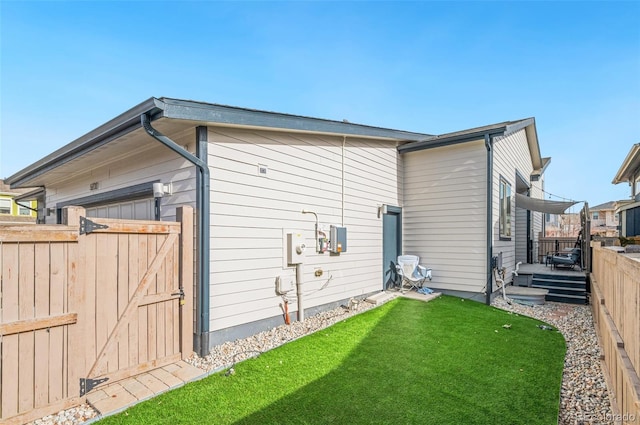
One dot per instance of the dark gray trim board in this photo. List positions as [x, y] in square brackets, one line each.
[488, 144]
[470, 135]
[138, 191]
[113, 129]
[223, 114]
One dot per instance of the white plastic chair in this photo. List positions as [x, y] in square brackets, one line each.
[411, 273]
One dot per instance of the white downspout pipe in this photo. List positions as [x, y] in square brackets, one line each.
[299, 270]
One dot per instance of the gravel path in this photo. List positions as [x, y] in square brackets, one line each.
[584, 398]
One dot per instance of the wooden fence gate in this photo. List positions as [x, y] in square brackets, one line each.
[88, 302]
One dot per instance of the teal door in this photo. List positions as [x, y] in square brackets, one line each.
[391, 244]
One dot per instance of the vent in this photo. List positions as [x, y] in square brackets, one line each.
[262, 170]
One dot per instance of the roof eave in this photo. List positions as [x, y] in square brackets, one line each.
[230, 115]
[436, 142]
[203, 112]
[630, 165]
[117, 127]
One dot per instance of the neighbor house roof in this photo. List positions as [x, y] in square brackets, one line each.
[195, 113]
[606, 206]
[630, 167]
[477, 133]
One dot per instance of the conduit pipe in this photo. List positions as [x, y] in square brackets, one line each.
[315, 235]
[202, 207]
[299, 270]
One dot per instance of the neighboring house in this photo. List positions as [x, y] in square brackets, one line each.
[562, 225]
[250, 174]
[14, 209]
[629, 213]
[604, 220]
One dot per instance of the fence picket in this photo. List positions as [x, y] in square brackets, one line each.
[69, 301]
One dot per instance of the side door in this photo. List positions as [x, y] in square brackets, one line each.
[391, 244]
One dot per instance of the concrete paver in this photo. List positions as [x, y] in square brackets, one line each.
[117, 396]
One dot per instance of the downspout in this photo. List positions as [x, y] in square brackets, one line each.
[488, 143]
[201, 342]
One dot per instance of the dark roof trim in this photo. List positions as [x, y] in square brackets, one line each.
[32, 195]
[231, 115]
[117, 127]
[202, 112]
[477, 133]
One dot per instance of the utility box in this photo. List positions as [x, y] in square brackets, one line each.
[295, 248]
[338, 239]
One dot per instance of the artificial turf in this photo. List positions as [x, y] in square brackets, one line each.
[448, 361]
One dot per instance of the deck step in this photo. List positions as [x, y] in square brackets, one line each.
[567, 299]
[562, 288]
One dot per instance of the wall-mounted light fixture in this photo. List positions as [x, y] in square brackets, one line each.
[161, 189]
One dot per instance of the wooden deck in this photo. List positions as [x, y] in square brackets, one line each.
[530, 269]
[564, 284]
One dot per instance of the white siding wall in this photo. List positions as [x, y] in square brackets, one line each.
[249, 212]
[511, 154]
[157, 163]
[537, 218]
[521, 234]
[444, 213]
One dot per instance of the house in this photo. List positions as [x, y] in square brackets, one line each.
[13, 209]
[604, 220]
[275, 193]
[629, 213]
[562, 225]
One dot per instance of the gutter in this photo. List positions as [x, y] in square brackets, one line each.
[201, 341]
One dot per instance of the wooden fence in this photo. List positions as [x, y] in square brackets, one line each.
[615, 286]
[548, 245]
[88, 302]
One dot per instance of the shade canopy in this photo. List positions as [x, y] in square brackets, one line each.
[542, 205]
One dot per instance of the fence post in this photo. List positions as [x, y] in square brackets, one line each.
[184, 215]
[77, 303]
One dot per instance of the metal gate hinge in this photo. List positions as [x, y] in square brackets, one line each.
[87, 384]
[87, 226]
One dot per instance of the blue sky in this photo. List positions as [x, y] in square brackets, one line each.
[433, 67]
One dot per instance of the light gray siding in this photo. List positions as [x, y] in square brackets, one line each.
[511, 156]
[521, 234]
[342, 180]
[157, 163]
[444, 213]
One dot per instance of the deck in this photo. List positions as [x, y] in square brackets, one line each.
[530, 269]
[564, 284]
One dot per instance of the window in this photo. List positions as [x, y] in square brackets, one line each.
[505, 209]
[23, 210]
[595, 215]
[5, 206]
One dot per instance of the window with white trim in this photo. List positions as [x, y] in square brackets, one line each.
[505, 209]
[5, 206]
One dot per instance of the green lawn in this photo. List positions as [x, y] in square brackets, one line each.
[447, 361]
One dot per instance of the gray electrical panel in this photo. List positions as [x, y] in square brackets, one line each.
[338, 239]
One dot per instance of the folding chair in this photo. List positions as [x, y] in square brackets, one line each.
[411, 273]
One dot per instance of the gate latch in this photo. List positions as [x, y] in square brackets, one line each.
[182, 295]
[87, 226]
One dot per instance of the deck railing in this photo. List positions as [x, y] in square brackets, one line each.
[615, 290]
